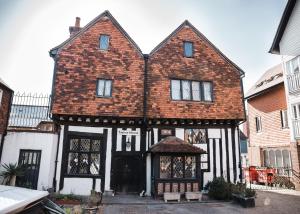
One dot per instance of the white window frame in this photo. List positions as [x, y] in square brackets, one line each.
[284, 119]
[258, 124]
[104, 89]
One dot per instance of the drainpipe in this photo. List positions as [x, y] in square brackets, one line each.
[56, 160]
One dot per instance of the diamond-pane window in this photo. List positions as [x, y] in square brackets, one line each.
[177, 167]
[190, 167]
[84, 156]
[165, 167]
[85, 145]
[195, 136]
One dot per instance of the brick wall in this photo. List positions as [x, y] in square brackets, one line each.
[4, 109]
[267, 106]
[81, 63]
[207, 65]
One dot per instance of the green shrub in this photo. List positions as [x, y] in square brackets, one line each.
[249, 193]
[219, 189]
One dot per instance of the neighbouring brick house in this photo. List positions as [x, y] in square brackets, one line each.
[6, 94]
[269, 131]
[113, 104]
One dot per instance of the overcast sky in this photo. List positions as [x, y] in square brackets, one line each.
[243, 30]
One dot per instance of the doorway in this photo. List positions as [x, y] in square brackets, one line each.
[31, 160]
[126, 174]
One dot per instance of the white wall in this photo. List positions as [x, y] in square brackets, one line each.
[290, 41]
[46, 142]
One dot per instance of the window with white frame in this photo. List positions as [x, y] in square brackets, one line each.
[258, 124]
[278, 158]
[292, 66]
[284, 119]
[296, 111]
[104, 88]
[191, 90]
[1, 94]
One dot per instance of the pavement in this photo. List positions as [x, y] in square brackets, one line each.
[266, 202]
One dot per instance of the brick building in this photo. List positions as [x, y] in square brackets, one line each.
[5, 102]
[269, 131]
[113, 104]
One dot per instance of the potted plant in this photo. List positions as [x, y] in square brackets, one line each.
[11, 172]
[243, 195]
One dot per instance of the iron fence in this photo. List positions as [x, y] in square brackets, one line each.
[28, 110]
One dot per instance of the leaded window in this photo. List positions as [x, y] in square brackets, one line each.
[104, 42]
[191, 90]
[177, 167]
[84, 156]
[195, 136]
[188, 49]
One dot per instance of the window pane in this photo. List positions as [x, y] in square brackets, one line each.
[190, 167]
[188, 49]
[95, 164]
[272, 158]
[286, 158]
[207, 87]
[107, 88]
[178, 167]
[195, 136]
[165, 167]
[72, 163]
[104, 42]
[100, 90]
[85, 145]
[83, 163]
[278, 158]
[295, 65]
[175, 88]
[196, 90]
[266, 158]
[186, 90]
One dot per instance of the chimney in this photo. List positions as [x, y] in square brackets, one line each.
[74, 29]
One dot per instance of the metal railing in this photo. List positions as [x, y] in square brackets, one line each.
[28, 110]
[294, 83]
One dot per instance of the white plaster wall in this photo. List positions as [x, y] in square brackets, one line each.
[80, 186]
[148, 174]
[46, 142]
[290, 41]
[83, 186]
[214, 133]
[179, 133]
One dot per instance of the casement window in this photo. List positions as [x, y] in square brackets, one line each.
[177, 167]
[292, 66]
[296, 111]
[284, 119]
[1, 95]
[188, 49]
[278, 158]
[104, 42]
[191, 90]
[83, 155]
[104, 88]
[258, 124]
[195, 136]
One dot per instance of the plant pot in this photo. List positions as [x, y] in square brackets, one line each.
[244, 201]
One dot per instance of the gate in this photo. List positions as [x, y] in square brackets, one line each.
[30, 159]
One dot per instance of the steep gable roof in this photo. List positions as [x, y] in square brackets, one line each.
[106, 13]
[282, 25]
[5, 85]
[187, 23]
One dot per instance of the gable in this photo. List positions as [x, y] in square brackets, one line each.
[187, 24]
[106, 14]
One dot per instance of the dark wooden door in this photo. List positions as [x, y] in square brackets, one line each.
[127, 174]
[30, 159]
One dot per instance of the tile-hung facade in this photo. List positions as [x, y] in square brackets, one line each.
[269, 131]
[287, 44]
[113, 103]
[5, 102]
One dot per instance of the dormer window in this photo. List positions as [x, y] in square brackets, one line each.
[104, 42]
[188, 49]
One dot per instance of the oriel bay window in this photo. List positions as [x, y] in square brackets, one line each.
[191, 90]
[84, 156]
[174, 167]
